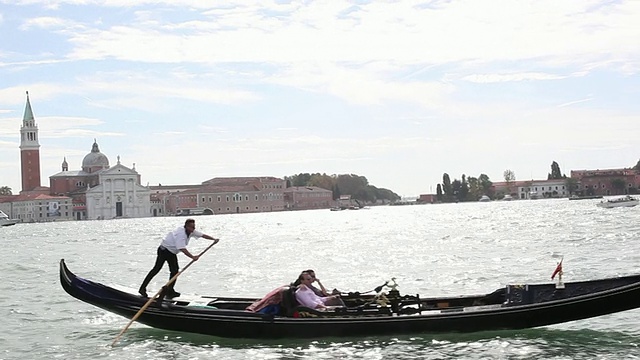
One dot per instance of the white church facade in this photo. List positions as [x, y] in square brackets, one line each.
[118, 194]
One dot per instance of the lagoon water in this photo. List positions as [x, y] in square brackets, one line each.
[431, 250]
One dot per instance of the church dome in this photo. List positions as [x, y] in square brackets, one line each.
[95, 160]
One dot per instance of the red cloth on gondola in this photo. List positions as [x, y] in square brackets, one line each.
[273, 297]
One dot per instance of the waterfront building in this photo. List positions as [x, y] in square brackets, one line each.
[427, 199]
[532, 189]
[538, 189]
[513, 188]
[35, 207]
[606, 181]
[34, 202]
[222, 195]
[307, 197]
[164, 199]
[29, 151]
[100, 191]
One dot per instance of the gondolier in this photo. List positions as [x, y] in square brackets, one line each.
[176, 241]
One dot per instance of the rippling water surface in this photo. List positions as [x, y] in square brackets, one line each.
[430, 249]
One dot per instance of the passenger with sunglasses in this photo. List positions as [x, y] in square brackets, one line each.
[306, 296]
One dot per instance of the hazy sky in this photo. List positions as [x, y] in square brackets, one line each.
[397, 91]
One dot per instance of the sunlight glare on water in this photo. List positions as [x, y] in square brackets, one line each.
[431, 250]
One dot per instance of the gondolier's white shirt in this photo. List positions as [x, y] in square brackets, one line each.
[178, 239]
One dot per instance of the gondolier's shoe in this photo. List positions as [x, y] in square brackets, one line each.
[143, 292]
[172, 294]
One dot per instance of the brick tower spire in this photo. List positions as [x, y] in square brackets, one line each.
[29, 150]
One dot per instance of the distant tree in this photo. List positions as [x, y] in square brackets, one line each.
[299, 179]
[464, 189]
[637, 167]
[322, 181]
[456, 185]
[336, 192]
[5, 190]
[446, 187]
[350, 184]
[439, 195]
[571, 184]
[365, 194]
[356, 186]
[618, 185]
[555, 172]
[474, 189]
[485, 184]
[387, 194]
[509, 177]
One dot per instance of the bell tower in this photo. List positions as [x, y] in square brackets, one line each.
[29, 150]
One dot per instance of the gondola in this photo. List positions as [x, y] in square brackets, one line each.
[384, 313]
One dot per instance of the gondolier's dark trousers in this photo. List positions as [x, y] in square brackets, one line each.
[171, 259]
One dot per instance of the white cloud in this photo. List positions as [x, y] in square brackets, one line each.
[24, 65]
[494, 78]
[146, 91]
[361, 85]
[402, 32]
[314, 47]
[575, 102]
[16, 95]
[149, 91]
[46, 22]
[57, 127]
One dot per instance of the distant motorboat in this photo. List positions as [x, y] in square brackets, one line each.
[507, 197]
[626, 201]
[193, 211]
[5, 221]
[585, 197]
[484, 198]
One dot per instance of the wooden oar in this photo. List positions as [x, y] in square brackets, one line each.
[137, 315]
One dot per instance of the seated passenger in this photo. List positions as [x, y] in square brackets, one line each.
[307, 297]
[335, 301]
[320, 292]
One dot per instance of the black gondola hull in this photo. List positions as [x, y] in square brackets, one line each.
[523, 307]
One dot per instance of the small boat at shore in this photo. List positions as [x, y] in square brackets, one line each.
[5, 220]
[512, 307]
[626, 201]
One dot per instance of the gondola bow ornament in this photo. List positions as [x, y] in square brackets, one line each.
[558, 270]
